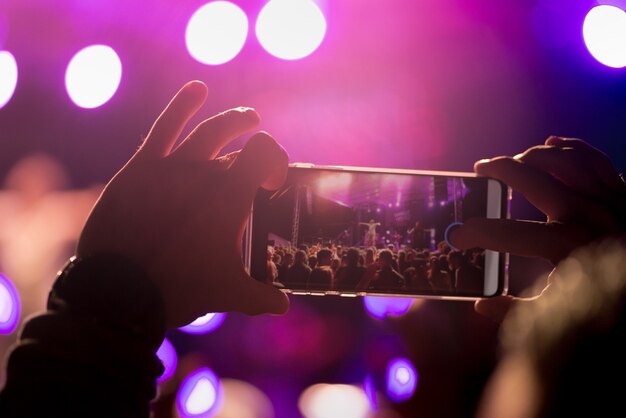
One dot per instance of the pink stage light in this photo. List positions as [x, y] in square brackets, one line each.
[93, 76]
[216, 32]
[200, 395]
[604, 31]
[290, 29]
[8, 77]
[9, 306]
[167, 354]
[401, 379]
[205, 324]
[380, 307]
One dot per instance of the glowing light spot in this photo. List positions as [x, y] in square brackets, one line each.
[334, 401]
[370, 392]
[401, 379]
[243, 400]
[216, 32]
[205, 324]
[200, 394]
[9, 306]
[93, 76]
[380, 307]
[8, 77]
[604, 31]
[290, 29]
[167, 354]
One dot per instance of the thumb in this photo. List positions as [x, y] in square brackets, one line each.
[258, 298]
[496, 308]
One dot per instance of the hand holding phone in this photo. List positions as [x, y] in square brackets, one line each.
[574, 184]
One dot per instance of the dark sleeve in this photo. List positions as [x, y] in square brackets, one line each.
[92, 354]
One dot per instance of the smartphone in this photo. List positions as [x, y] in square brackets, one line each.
[351, 231]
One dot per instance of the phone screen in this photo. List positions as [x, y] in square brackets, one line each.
[355, 231]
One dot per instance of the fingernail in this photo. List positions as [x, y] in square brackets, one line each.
[250, 112]
[478, 164]
[518, 156]
[552, 139]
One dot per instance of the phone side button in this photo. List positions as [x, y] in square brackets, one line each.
[300, 293]
[317, 294]
[348, 295]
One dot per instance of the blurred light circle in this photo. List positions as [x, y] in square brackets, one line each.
[401, 379]
[290, 29]
[334, 401]
[199, 395]
[9, 306]
[93, 76]
[8, 77]
[216, 32]
[604, 31]
[243, 400]
[167, 354]
[380, 307]
[205, 324]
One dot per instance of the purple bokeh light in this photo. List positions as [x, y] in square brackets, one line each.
[205, 324]
[8, 77]
[9, 306]
[167, 354]
[290, 29]
[370, 392]
[401, 379]
[200, 395]
[93, 76]
[381, 306]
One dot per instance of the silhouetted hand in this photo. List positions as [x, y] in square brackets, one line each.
[574, 184]
[180, 214]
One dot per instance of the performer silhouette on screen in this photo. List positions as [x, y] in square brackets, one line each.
[418, 236]
[370, 234]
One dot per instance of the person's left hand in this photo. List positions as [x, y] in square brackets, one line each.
[180, 214]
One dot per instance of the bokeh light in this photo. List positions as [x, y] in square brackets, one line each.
[8, 77]
[216, 32]
[93, 76]
[401, 379]
[370, 391]
[243, 400]
[167, 354]
[205, 324]
[380, 306]
[604, 31]
[200, 394]
[290, 29]
[9, 306]
[334, 401]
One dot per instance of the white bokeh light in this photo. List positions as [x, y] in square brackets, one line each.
[334, 401]
[201, 398]
[216, 32]
[604, 31]
[290, 29]
[8, 77]
[200, 395]
[93, 76]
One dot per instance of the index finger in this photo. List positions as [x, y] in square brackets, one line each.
[172, 120]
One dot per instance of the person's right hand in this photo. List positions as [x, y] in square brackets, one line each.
[572, 183]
